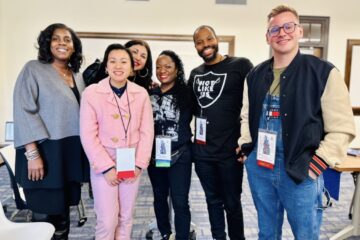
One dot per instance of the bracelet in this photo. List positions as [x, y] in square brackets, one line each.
[32, 154]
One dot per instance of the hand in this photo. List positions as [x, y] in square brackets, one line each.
[241, 157]
[137, 173]
[111, 177]
[312, 175]
[36, 169]
[154, 85]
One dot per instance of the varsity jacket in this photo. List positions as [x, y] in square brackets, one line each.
[316, 115]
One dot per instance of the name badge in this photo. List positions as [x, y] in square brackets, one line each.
[162, 151]
[266, 149]
[125, 162]
[200, 130]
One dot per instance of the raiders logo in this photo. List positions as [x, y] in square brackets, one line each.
[208, 88]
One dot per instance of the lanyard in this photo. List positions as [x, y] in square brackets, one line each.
[121, 116]
[276, 87]
[269, 102]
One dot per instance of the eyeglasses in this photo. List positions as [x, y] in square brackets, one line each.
[288, 28]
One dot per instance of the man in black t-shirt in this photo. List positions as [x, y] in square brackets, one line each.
[217, 98]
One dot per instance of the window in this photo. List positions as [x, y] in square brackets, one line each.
[316, 34]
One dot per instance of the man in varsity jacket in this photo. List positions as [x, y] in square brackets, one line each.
[296, 121]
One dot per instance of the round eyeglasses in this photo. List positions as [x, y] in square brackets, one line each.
[288, 28]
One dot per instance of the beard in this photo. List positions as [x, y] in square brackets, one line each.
[212, 56]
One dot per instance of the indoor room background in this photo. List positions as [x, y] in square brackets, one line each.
[21, 22]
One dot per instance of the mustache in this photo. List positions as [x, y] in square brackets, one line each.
[211, 47]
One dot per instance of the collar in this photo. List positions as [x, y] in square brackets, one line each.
[290, 68]
[223, 60]
[105, 88]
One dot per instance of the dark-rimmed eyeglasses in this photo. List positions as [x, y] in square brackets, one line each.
[288, 28]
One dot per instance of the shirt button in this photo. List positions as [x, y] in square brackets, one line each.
[114, 139]
[285, 114]
[115, 116]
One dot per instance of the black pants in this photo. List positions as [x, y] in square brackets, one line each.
[61, 222]
[222, 184]
[176, 181]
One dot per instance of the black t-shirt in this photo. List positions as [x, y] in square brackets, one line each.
[171, 117]
[217, 91]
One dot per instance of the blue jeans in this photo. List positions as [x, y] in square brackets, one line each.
[222, 184]
[176, 182]
[273, 191]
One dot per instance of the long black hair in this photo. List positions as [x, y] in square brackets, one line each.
[44, 42]
[143, 77]
[181, 90]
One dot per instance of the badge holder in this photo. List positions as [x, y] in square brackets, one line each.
[200, 130]
[162, 151]
[266, 149]
[125, 162]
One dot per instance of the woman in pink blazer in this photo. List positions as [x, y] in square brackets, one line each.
[116, 114]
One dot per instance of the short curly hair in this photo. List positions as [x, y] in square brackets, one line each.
[182, 91]
[180, 77]
[44, 42]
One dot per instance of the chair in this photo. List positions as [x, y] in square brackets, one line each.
[8, 155]
[23, 231]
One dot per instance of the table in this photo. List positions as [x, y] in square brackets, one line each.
[351, 164]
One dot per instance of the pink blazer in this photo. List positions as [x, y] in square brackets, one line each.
[102, 131]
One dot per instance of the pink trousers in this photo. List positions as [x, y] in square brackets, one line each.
[114, 207]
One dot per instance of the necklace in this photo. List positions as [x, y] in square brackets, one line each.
[65, 75]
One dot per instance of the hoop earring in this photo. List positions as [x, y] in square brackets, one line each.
[147, 71]
[106, 71]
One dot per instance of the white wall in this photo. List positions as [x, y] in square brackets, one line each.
[21, 22]
[3, 111]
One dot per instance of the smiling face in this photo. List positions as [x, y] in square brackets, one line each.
[166, 71]
[284, 43]
[118, 66]
[206, 44]
[61, 46]
[140, 56]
